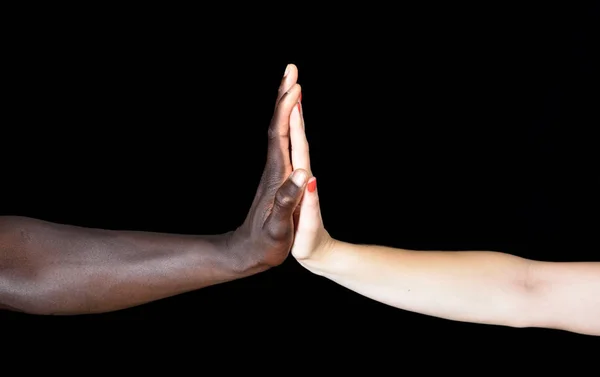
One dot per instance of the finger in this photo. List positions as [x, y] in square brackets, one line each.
[310, 210]
[290, 77]
[300, 150]
[279, 225]
[310, 223]
[279, 130]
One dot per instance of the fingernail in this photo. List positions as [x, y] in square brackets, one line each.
[287, 70]
[299, 177]
[312, 184]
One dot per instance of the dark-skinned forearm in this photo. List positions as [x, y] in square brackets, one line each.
[48, 268]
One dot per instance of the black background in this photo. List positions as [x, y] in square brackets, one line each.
[445, 129]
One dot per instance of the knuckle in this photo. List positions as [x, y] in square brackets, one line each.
[272, 132]
[284, 199]
[273, 175]
[278, 232]
[273, 168]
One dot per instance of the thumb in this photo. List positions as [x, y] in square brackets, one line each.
[310, 232]
[279, 224]
[310, 210]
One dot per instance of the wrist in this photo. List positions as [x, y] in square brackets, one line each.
[241, 252]
[324, 257]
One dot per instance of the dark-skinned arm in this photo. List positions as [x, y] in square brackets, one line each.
[49, 268]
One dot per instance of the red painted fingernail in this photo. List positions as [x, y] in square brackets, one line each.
[312, 184]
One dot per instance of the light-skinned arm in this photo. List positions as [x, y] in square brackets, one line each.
[472, 286]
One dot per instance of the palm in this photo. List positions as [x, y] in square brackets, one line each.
[308, 224]
[266, 235]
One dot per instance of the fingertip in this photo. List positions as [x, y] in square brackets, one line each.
[295, 90]
[296, 117]
[310, 203]
[290, 77]
[311, 186]
[297, 93]
[290, 97]
[290, 68]
[299, 177]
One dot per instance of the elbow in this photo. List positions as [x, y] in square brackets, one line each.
[518, 309]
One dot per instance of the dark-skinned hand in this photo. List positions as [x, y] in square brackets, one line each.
[265, 238]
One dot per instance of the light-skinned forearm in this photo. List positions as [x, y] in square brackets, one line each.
[470, 286]
[48, 268]
[483, 287]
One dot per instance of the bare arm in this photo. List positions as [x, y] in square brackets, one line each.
[48, 268]
[482, 287]
[473, 286]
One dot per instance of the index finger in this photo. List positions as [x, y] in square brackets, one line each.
[290, 77]
[300, 150]
[279, 130]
